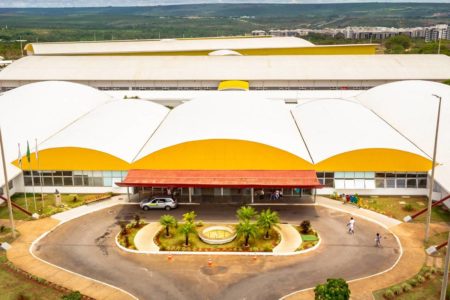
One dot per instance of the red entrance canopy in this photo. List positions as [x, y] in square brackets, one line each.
[221, 178]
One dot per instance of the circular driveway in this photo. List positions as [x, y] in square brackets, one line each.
[87, 246]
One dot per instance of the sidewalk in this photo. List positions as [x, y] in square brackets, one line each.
[144, 238]
[382, 220]
[89, 208]
[20, 256]
[290, 239]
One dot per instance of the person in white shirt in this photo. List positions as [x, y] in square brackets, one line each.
[351, 226]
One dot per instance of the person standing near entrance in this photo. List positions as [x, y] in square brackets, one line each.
[351, 226]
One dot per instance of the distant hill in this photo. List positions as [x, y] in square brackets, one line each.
[100, 23]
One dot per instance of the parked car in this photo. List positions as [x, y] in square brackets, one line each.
[166, 203]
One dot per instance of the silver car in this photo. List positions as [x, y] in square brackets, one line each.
[159, 202]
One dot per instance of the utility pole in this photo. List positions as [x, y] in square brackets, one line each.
[5, 175]
[430, 192]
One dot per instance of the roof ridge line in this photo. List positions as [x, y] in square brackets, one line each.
[398, 131]
[157, 128]
[301, 135]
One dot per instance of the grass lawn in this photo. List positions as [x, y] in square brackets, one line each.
[131, 233]
[176, 242]
[308, 240]
[395, 207]
[429, 290]
[17, 286]
[49, 204]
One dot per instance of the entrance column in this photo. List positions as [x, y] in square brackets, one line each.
[252, 195]
[190, 195]
[128, 193]
[315, 194]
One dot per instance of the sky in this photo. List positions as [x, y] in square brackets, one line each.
[102, 3]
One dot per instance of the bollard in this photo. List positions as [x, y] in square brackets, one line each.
[254, 257]
[209, 262]
[169, 258]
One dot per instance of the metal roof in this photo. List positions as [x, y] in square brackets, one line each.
[191, 68]
[165, 45]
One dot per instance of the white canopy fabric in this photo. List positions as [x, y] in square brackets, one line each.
[229, 115]
[40, 110]
[334, 126]
[119, 128]
[411, 108]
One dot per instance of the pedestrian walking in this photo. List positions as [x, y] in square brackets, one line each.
[378, 240]
[351, 226]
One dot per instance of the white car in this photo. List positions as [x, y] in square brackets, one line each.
[159, 202]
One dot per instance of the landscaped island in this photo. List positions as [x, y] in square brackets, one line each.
[253, 233]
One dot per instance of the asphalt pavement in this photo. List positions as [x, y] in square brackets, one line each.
[86, 245]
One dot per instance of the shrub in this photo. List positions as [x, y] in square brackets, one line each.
[424, 270]
[334, 288]
[427, 275]
[433, 270]
[305, 226]
[408, 207]
[2, 228]
[199, 224]
[420, 279]
[397, 290]
[127, 241]
[413, 282]
[24, 296]
[406, 287]
[267, 249]
[388, 294]
[137, 219]
[447, 294]
[73, 296]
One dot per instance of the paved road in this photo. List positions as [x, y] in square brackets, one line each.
[86, 245]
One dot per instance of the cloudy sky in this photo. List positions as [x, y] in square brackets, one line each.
[91, 3]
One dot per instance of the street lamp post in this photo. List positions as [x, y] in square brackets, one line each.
[5, 175]
[430, 192]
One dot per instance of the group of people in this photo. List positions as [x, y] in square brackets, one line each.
[351, 230]
[276, 195]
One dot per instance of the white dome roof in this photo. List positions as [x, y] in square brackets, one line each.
[230, 115]
[345, 126]
[39, 110]
[224, 53]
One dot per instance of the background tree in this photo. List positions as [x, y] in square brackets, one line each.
[268, 219]
[246, 213]
[187, 229]
[247, 230]
[167, 221]
[189, 217]
[397, 44]
[333, 289]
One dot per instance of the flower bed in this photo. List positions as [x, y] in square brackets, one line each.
[176, 242]
[127, 234]
[310, 238]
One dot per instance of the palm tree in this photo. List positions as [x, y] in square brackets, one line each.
[189, 217]
[186, 229]
[246, 229]
[246, 213]
[268, 219]
[167, 221]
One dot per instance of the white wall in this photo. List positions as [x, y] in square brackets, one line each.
[375, 192]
